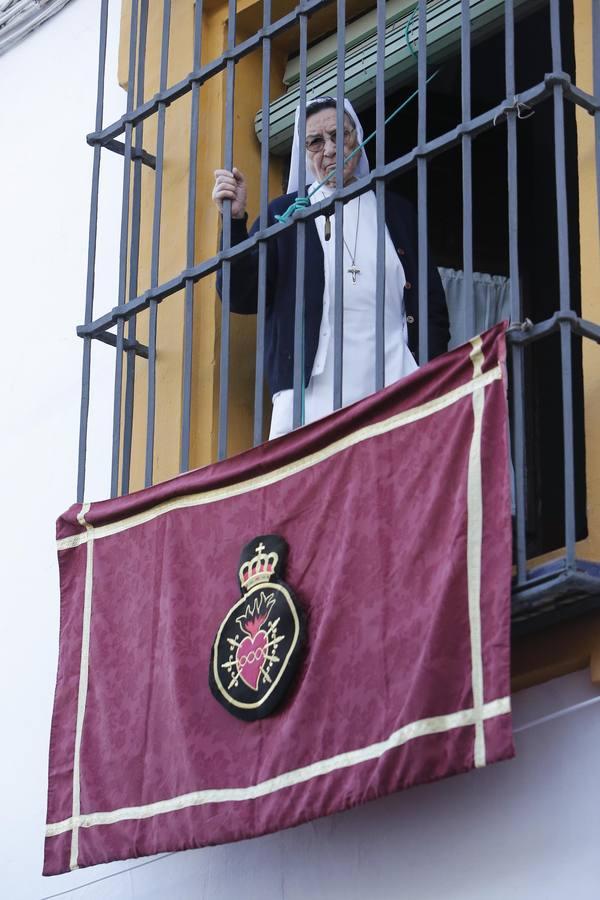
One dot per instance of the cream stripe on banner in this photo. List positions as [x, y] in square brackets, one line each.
[252, 484]
[474, 549]
[420, 728]
[83, 686]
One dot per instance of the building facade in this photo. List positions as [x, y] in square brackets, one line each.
[525, 829]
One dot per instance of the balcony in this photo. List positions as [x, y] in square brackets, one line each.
[497, 154]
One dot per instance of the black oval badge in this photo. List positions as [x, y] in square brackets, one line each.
[259, 642]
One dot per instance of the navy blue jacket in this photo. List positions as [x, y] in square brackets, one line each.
[401, 221]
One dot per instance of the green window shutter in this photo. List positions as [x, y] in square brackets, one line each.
[443, 41]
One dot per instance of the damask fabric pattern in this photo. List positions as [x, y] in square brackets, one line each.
[396, 511]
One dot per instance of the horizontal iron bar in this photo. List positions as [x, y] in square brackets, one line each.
[107, 337]
[529, 333]
[119, 147]
[159, 293]
[532, 97]
[204, 73]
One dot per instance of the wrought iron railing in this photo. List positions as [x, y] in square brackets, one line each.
[534, 592]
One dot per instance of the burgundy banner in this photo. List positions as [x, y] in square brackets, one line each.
[393, 605]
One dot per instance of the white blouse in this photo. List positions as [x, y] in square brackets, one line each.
[358, 376]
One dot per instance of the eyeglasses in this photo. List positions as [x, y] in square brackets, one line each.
[316, 143]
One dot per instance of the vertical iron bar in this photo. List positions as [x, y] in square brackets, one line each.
[226, 296]
[380, 200]
[338, 300]
[423, 249]
[136, 204]
[555, 35]
[262, 247]
[91, 261]
[298, 411]
[155, 257]
[116, 442]
[467, 186]
[519, 456]
[567, 399]
[564, 286]
[188, 313]
[518, 351]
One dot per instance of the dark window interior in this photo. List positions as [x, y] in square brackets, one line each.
[538, 245]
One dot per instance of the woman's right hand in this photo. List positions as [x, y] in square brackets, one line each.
[230, 186]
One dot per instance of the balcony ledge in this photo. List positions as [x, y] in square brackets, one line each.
[553, 593]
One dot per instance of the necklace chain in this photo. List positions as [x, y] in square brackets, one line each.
[353, 270]
[350, 254]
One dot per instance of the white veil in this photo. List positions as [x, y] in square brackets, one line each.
[361, 170]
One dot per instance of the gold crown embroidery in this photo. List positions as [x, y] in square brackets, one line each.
[259, 569]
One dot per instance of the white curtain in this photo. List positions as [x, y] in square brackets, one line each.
[491, 296]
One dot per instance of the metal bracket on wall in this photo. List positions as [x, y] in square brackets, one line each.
[526, 332]
[107, 337]
[143, 155]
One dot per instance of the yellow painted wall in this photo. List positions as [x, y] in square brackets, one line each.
[207, 309]
[172, 240]
[590, 275]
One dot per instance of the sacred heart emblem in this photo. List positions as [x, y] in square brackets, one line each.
[250, 658]
[259, 642]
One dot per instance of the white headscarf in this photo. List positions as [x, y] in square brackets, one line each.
[361, 170]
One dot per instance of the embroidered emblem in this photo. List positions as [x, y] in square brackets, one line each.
[258, 645]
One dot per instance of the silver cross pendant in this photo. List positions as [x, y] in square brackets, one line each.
[354, 271]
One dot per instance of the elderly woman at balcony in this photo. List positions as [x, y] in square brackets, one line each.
[359, 274]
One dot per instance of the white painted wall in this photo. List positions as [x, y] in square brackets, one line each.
[528, 829]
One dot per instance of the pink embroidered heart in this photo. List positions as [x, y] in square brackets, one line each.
[250, 657]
